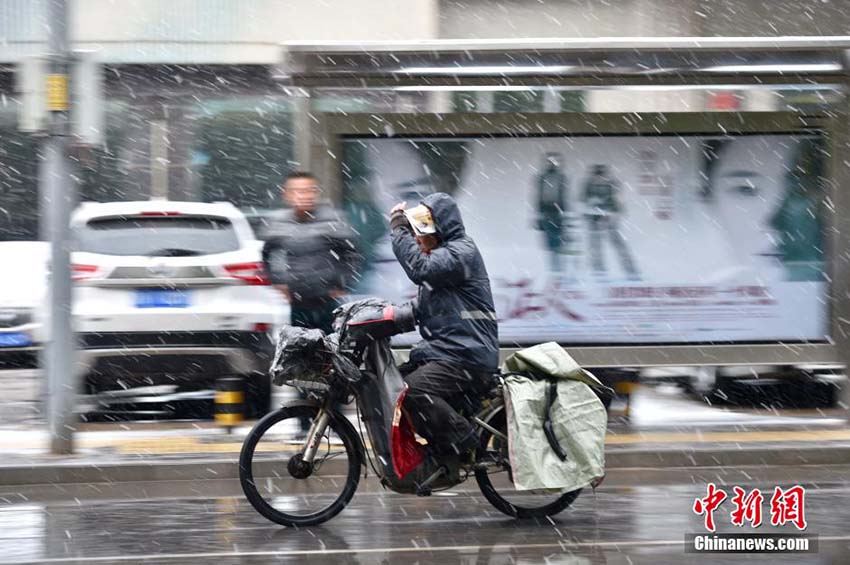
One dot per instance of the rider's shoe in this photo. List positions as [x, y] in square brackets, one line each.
[465, 448]
[469, 458]
[470, 442]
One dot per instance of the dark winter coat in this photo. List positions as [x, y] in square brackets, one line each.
[455, 309]
[313, 256]
[601, 196]
[552, 198]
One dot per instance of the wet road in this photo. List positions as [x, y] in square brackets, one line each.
[210, 523]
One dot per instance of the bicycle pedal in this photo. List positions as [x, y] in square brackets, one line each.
[424, 491]
[487, 461]
[424, 488]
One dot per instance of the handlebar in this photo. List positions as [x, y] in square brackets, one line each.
[374, 320]
[404, 318]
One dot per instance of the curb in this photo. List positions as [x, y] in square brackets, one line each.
[70, 472]
[737, 456]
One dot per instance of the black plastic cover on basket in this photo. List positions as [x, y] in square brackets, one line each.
[343, 367]
[302, 356]
[308, 358]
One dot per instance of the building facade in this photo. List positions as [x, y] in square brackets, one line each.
[193, 110]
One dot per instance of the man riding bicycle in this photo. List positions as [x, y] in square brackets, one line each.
[456, 318]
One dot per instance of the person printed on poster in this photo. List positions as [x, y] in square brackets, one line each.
[602, 209]
[552, 202]
[710, 153]
[799, 218]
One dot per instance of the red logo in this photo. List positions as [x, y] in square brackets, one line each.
[709, 504]
[786, 506]
[747, 508]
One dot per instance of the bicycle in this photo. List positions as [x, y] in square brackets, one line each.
[305, 483]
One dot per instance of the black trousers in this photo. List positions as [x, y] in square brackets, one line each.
[435, 390]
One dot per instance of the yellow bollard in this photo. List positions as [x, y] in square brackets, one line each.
[229, 402]
[627, 389]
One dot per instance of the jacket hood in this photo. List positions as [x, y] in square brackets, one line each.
[446, 215]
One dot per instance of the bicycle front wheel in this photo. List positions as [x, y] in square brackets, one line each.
[285, 488]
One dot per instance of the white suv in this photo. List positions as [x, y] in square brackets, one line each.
[171, 295]
[21, 298]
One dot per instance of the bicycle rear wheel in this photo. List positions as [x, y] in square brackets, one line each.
[286, 489]
[494, 478]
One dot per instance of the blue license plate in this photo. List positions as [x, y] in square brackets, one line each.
[162, 299]
[15, 340]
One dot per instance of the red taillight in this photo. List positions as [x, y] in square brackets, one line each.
[83, 272]
[251, 273]
[262, 327]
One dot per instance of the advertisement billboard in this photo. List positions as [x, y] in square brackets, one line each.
[616, 239]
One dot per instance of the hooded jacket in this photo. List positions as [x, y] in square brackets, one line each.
[601, 196]
[313, 256]
[457, 319]
[552, 199]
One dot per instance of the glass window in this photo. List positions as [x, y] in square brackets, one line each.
[464, 101]
[528, 101]
[572, 101]
[242, 152]
[18, 180]
[183, 236]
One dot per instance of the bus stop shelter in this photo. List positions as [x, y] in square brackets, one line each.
[634, 68]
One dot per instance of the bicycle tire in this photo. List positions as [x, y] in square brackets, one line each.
[353, 448]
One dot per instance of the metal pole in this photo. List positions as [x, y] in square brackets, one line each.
[59, 187]
[159, 158]
[303, 130]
